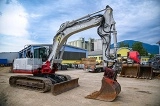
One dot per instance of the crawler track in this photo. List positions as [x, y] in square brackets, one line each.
[55, 82]
[30, 82]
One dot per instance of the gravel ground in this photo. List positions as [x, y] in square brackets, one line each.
[134, 92]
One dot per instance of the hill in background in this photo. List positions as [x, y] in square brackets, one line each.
[153, 49]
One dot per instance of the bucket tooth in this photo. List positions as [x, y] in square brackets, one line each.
[108, 92]
[64, 86]
[130, 70]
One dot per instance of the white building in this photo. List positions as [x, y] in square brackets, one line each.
[97, 44]
[81, 43]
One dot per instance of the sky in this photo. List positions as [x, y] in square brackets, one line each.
[24, 22]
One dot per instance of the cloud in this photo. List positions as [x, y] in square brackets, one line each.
[33, 21]
[133, 18]
[14, 44]
[13, 21]
[136, 19]
[46, 19]
[13, 27]
[72, 10]
[34, 15]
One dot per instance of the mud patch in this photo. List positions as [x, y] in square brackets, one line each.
[132, 88]
[1, 75]
[2, 82]
[145, 92]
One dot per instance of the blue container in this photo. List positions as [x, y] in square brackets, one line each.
[3, 61]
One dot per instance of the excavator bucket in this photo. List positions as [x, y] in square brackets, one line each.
[64, 86]
[129, 70]
[145, 72]
[108, 92]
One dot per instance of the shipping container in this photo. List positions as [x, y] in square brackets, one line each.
[10, 56]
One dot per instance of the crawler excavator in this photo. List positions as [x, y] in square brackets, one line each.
[44, 77]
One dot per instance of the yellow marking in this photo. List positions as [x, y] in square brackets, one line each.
[59, 38]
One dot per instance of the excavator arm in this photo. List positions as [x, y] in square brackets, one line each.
[106, 25]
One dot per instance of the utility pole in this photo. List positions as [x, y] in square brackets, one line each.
[159, 46]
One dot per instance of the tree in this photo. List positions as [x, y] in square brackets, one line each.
[122, 44]
[151, 56]
[137, 46]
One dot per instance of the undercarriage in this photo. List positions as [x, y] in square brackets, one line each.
[44, 82]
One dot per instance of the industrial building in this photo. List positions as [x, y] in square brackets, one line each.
[98, 55]
[90, 45]
[81, 43]
[6, 58]
[70, 55]
[97, 44]
[123, 52]
[144, 59]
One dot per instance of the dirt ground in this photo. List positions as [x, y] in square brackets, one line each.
[134, 92]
